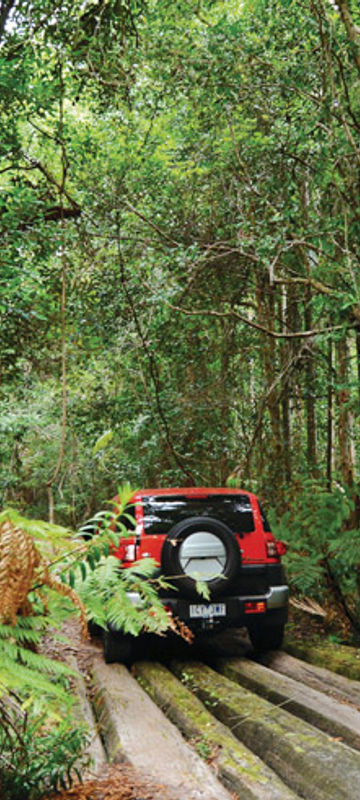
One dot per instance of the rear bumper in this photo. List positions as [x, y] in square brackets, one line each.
[233, 609]
[277, 597]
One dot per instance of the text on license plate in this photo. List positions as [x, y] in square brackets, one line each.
[205, 611]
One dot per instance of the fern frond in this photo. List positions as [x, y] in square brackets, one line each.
[39, 530]
[19, 678]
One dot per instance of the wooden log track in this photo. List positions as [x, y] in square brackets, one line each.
[277, 730]
[344, 689]
[311, 705]
[241, 771]
[310, 762]
[137, 732]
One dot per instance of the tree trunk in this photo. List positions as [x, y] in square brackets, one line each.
[285, 393]
[345, 450]
[310, 402]
[266, 313]
[330, 420]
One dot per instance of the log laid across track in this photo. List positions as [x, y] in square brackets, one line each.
[336, 719]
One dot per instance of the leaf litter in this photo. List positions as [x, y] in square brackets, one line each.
[119, 782]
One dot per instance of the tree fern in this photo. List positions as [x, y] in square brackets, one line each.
[38, 593]
[24, 670]
[105, 593]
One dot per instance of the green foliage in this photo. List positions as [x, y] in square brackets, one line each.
[23, 667]
[203, 589]
[105, 592]
[44, 681]
[102, 442]
[50, 538]
[317, 532]
[40, 747]
[35, 756]
[202, 747]
[206, 160]
[87, 565]
[126, 598]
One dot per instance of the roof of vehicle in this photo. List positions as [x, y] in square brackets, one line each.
[190, 491]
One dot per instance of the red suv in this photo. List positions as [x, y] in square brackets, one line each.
[217, 536]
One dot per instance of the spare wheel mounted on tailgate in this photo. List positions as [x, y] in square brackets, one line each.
[201, 549]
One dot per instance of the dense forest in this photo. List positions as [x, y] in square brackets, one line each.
[180, 261]
[179, 303]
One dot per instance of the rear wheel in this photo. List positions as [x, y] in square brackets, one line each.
[94, 629]
[267, 637]
[118, 647]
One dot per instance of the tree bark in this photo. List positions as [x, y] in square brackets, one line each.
[330, 420]
[345, 451]
[61, 190]
[353, 32]
[285, 395]
[266, 312]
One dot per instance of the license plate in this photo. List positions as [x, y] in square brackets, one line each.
[203, 611]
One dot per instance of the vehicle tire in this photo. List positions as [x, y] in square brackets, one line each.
[94, 629]
[198, 535]
[266, 637]
[118, 647]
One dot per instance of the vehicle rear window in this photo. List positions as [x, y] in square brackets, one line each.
[163, 512]
[128, 519]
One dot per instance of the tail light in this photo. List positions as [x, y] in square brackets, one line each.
[275, 549]
[255, 607]
[126, 551]
[129, 552]
[281, 548]
[271, 549]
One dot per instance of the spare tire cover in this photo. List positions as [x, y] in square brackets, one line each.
[201, 549]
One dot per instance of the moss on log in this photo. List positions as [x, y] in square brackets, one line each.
[311, 763]
[324, 680]
[336, 719]
[240, 770]
[336, 657]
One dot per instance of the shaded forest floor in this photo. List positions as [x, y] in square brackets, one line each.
[328, 642]
[119, 782]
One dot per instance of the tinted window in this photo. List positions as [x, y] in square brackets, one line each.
[128, 518]
[162, 513]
